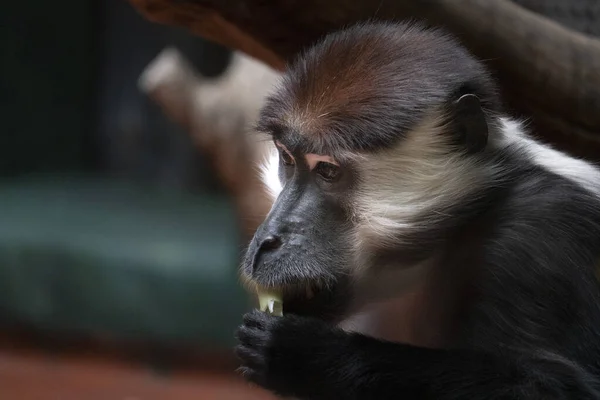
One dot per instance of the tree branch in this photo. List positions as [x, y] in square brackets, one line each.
[546, 72]
[217, 114]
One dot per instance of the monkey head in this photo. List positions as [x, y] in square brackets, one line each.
[379, 134]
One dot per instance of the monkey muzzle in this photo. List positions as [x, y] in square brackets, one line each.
[288, 264]
[299, 251]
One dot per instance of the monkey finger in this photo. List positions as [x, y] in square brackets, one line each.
[256, 319]
[252, 337]
[251, 375]
[249, 357]
[245, 372]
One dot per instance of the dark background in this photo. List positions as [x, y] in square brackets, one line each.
[69, 96]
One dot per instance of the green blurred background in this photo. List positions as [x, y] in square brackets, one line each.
[111, 224]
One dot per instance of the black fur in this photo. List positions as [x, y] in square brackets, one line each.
[520, 255]
[529, 330]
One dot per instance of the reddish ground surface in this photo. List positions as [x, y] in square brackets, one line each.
[34, 375]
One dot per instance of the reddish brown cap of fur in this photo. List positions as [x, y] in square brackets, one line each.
[361, 88]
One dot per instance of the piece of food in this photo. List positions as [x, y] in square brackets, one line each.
[270, 301]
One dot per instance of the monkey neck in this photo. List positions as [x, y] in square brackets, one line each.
[428, 312]
[422, 316]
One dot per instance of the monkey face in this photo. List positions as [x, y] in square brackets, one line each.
[381, 135]
[302, 247]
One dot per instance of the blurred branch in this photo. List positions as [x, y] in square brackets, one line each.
[546, 71]
[218, 113]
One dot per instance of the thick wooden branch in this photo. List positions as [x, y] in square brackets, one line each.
[546, 72]
[217, 114]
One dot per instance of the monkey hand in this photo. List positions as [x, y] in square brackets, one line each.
[294, 356]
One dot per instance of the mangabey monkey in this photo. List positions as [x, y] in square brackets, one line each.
[401, 176]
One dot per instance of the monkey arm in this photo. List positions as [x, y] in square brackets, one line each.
[421, 373]
[305, 358]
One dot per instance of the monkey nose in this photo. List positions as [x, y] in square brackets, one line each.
[266, 246]
[269, 243]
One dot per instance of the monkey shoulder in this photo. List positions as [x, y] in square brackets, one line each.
[547, 212]
[538, 285]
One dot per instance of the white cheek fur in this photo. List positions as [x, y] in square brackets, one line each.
[269, 169]
[405, 188]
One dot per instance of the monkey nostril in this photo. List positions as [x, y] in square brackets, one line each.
[270, 243]
[267, 245]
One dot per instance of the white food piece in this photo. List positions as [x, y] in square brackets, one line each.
[270, 301]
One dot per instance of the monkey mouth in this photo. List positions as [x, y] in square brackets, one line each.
[325, 299]
[314, 300]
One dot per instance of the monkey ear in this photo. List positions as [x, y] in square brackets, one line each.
[470, 124]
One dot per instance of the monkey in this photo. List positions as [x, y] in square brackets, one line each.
[397, 172]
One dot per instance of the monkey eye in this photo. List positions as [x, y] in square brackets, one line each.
[328, 171]
[286, 157]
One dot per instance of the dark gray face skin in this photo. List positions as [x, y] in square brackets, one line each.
[304, 243]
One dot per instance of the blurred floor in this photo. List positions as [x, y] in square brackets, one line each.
[39, 376]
